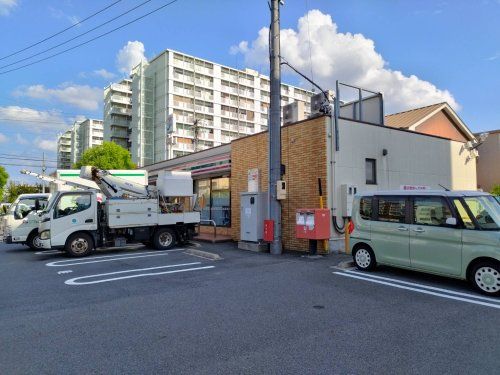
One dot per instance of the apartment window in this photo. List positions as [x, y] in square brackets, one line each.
[371, 171]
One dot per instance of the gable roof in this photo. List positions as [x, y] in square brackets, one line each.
[411, 119]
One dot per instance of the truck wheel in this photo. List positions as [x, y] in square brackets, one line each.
[79, 245]
[164, 239]
[33, 241]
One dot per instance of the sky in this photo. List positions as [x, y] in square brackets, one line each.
[415, 52]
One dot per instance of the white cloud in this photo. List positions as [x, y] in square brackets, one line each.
[46, 144]
[6, 6]
[21, 140]
[80, 96]
[32, 119]
[104, 74]
[3, 138]
[129, 56]
[350, 58]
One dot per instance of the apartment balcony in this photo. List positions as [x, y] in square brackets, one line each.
[204, 109]
[265, 87]
[184, 119]
[183, 64]
[121, 88]
[206, 123]
[183, 78]
[227, 138]
[203, 82]
[229, 77]
[182, 91]
[246, 93]
[207, 136]
[121, 99]
[227, 101]
[204, 70]
[119, 122]
[229, 114]
[183, 105]
[245, 81]
[121, 111]
[185, 133]
[184, 146]
[204, 96]
[229, 89]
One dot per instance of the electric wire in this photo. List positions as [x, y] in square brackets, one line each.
[77, 36]
[28, 165]
[309, 37]
[60, 32]
[26, 159]
[90, 40]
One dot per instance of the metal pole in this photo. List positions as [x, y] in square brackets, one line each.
[43, 171]
[274, 208]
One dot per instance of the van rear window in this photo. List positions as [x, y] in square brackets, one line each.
[365, 208]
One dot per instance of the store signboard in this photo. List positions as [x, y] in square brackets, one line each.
[414, 187]
[253, 180]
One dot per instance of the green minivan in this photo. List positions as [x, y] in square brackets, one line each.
[448, 233]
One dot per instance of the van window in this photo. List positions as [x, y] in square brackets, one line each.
[365, 208]
[462, 212]
[430, 211]
[392, 209]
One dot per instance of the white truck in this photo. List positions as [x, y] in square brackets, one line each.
[161, 215]
[20, 223]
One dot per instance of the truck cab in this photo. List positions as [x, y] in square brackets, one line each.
[20, 224]
[69, 212]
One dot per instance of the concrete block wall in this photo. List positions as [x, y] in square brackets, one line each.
[305, 158]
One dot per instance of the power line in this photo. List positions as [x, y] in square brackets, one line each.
[90, 40]
[60, 32]
[27, 159]
[24, 155]
[27, 165]
[76, 37]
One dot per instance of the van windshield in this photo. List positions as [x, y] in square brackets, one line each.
[486, 210]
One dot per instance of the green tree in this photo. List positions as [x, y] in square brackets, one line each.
[15, 189]
[4, 176]
[496, 190]
[109, 155]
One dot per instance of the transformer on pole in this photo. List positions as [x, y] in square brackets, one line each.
[274, 207]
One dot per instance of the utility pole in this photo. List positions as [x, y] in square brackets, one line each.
[43, 170]
[274, 208]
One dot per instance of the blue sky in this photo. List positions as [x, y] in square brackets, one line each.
[416, 52]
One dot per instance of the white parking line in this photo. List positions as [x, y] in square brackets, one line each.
[75, 281]
[44, 252]
[449, 291]
[424, 291]
[107, 258]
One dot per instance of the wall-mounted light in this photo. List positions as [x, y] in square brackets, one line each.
[385, 152]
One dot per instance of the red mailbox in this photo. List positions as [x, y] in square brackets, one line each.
[312, 223]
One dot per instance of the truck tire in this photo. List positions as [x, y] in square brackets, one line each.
[33, 241]
[164, 239]
[79, 245]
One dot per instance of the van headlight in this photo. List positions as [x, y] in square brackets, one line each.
[45, 235]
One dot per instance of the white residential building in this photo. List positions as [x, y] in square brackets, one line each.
[84, 135]
[118, 112]
[204, 104]
[64, 150]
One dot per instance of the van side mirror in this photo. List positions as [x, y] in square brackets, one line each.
[451, 221]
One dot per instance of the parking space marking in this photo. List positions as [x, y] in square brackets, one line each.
[449, 291]
[75, 281]
[414, 289]
[44, 252]
[107, 258]
[64, 272]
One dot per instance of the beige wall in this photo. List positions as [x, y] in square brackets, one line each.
[488, 163]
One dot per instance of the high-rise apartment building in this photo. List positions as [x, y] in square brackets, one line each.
[84, 135]
[118, 112]
[64, 150]
[182, 104]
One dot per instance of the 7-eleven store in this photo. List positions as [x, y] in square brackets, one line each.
[211, 170]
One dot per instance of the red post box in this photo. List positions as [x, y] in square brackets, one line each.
[312, 223]
[268, 230]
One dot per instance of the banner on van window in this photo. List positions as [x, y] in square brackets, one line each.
[414, 187]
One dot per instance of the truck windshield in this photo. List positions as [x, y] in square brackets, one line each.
[25, 205]
[50, 203]
[486, 211]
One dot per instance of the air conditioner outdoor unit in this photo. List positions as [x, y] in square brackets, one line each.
[319, 103]
[293, 112]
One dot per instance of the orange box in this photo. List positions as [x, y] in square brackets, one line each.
[312, 223]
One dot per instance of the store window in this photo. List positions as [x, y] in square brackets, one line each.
[214, 197]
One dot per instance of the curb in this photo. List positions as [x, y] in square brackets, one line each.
[346, 264]
[203, 254]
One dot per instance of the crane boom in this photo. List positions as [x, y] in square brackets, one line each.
[57, 180]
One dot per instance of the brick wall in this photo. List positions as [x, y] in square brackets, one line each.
[304, 155]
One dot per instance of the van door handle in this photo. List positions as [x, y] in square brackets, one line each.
[89, 220]
[419, 230]
[403, 229]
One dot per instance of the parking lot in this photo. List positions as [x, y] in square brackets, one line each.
[140, 311]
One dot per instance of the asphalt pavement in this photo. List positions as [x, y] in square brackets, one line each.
[140, 311]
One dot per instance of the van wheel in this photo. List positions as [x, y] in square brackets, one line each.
[364, 258]
[164, 239]
[485, 278]
[79, 245]
[33, 241]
